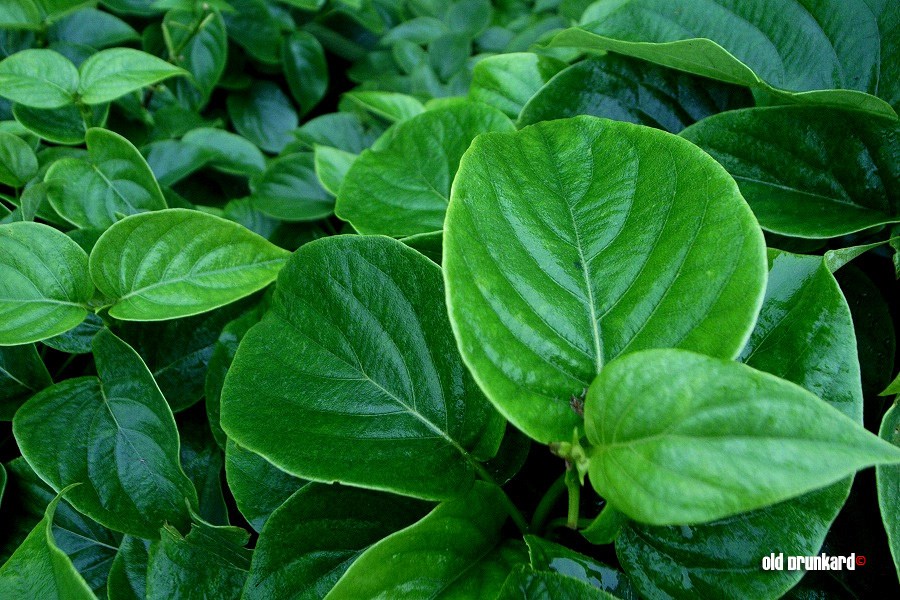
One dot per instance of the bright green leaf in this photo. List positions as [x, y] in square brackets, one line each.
[331, 167]
[44, 283]
[38, 78]
[889, 484]
[641, 241]
[173, 263]
[508, 81]
[112, 73]
[718, 438]
[18, 164]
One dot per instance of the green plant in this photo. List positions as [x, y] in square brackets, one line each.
[421, 299]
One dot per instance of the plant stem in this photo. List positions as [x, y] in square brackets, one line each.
[574, 487]
[548, 501]
[511, 508]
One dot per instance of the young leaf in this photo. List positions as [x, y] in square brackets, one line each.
[18, 164]
[403, 187]
[838, 177]
[387, 105]
[368, 312]
[209, 562]
[526, 584]
[289, 190]
[22, 373]
[305, 69]
[332, 166]
[39, 569]
[427, 558]
[627, 89]
[258, 486]
[641, 241]
[311, 539]
[38, 78]
[547, 556]
[112, 73]
[752, 44]
[177, 262]
[113, 180]
[197, 42]
[715, 439]
[114, 434]
[263, 115]
[508, 81]
[44, 283]
[889, 484]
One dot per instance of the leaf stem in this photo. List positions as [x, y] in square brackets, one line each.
[548, 501]
[574, 486]
[511, 508]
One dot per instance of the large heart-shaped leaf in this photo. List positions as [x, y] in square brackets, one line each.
[179, 262]
[44, 283]
[311, 540]
[115, 435]
[819, 52]
[402, 188]
[719, 438]
[114, 180]
[365, 353]
[427, 559]
[807, 171]
[573, 241]
[804, 334]
[627, 89]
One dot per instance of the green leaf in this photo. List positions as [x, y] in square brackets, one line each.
[547, 556]
[835, 58]
[209, 562]
[263, 115]
[64, 125]
[77, 340]
[403, 187]
[303, 59]
[18, 164]
[198, 43]
[114, 434]
[2, 481]
[128, 575]
[112, 73]
[391, 106]
[22, 373]
[626, 89]
[94, 28]
[427, 558]
[226, 151]
[641, 241]
[113, 180]
[839, 177]
[525, 584]
[44, 283]
[893, 388]
[331, 166]
[173, 160]
[699, 450]
[253, 27]
[21, 15]
[889, 484]
[804, 334]
[173, 263]
[38, 78]
[39, 569]
[258, 486]
[203, 461]
[508, 81]
[369, 313]
[90, 546]
[311, 539]
[290, 190]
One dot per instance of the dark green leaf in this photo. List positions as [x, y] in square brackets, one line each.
[64, 125]
[304, 68]
[226, 151]
[547, 556]
[369, 313]
[889, 484]
[258, 486]
[94, 28]
[197, 42]
[128, 575]
[116, 436]
[22, 373]
[525, 584]
[290, 190]
[263, 115]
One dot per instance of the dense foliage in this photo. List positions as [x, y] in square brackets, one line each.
[540, 299]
